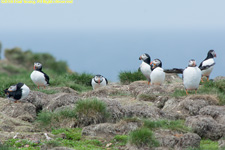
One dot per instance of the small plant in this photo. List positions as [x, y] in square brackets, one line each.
[70, 134]
[146, 97]
[122, 139]
[179, 93]
[143, 137]
[126, 77]
[91, 111]
[53, 120]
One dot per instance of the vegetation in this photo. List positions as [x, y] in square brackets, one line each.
[91, 111]
[177, 125]
[210, 87]
[207, 145]
[27, 59]
[86, 112]
[126, 77]
[143, 137]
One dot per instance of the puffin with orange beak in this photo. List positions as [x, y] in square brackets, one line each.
[17, 92]
[145, 66]
[191, 76]
[157, 75]
[208, 61]
[38, 76]
[98, 81]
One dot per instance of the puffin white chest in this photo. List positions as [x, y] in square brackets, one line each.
[191, 78]
[145, 69]
[208, 71]
[157, 76]
[38, 78]
[96, 85]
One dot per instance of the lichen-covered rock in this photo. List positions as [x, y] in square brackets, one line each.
[10, 124]
[221, 144]
[188, 106]
[177, 140]
[61, 99]
[110, 129]
[216, 112]
[23, 111]
[206, 127]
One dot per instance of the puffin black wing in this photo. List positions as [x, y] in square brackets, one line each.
[15, 94]
[205, 67]
[106, 81]
[46, 77]
[174, 70]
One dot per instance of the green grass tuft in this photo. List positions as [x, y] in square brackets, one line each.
[126, 77]
[143, 137]
[91, 111]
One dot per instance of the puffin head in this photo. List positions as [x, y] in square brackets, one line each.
[37, 66]
[192, 63]
[98, 79]
[156, 63]
[211, 53]
[145, 57]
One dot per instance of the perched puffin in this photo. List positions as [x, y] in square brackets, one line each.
[157, 75]
[191, 76]
[38, 76]
[145, 66]
[17, 92]
[98, 81]
[209, 61]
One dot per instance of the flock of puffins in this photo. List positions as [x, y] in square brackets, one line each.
[192, 76]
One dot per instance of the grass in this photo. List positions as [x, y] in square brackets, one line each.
[91, 111]
[86, 112]
[126, 77]
[121, 139]
[207, 145]
[143, 137]
[177, 125]
[146, 97]
[47, 120]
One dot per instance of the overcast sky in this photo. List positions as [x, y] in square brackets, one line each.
[118, 30]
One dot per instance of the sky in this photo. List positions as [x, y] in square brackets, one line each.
[106, 37]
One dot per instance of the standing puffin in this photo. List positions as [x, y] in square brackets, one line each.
[145, 66]
[191, 76]
[208, 61]
[98, 81]
[17, 92]
[38, 76]
[157, 75]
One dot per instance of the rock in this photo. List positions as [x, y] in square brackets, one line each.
[61, 99]
[216, 112]
[221, 144]
[10, 124]
[189, 106]
[65, 90]
[219, 78]
[23, 111]
[143, 111]
[177, 140]
[107, 130]
[106, 91]
[206, 127]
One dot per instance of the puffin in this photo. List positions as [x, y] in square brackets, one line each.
[208, 61]
[157, 75]
[98, 81]
[38, 76]
[191, 76]
[17, 92]
[145, 66]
